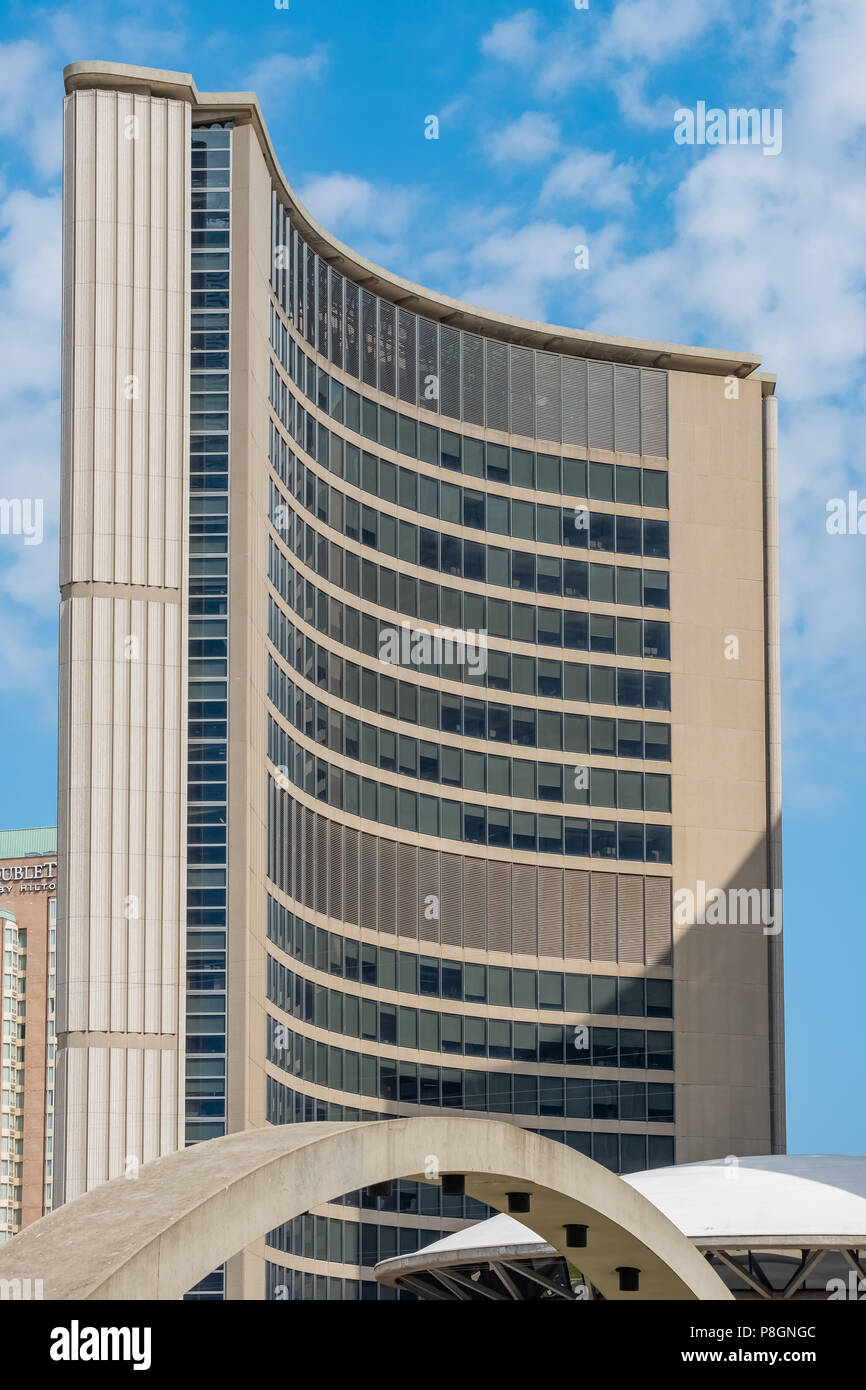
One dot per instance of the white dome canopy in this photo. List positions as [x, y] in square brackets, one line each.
[771, 1201]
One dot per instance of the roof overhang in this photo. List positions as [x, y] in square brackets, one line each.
[243, 108]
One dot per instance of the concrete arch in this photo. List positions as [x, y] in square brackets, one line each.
[157, 1235]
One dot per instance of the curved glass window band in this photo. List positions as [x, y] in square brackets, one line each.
[502, 1092]
[472, 823]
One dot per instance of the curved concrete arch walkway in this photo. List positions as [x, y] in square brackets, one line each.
[156, 1235]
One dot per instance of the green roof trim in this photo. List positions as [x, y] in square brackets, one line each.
[17, 844]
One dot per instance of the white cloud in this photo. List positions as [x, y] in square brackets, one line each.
[30, 277]
[30, 111]
[655, 31]
[592, 178]
[531, 139]
[612, 51]
[634, 106]
[345, 204]
[274, 77]
[513, 40]
[524, 270]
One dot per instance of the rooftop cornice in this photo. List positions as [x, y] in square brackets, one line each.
[243, 108]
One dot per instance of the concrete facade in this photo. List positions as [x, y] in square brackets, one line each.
[122, 630]
[293, 855]
[28, 903]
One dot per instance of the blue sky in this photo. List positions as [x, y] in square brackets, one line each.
[555, 129]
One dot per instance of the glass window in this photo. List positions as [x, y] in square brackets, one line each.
[408, 973]
[628, 485]
[657, 690]
[524, 982]
[632, 1048]
[473, 509]
[659, 1051]
[522, 622]
[628, 586]
[450, 449]
[658, 791]
[549, 782]
[428, 443]
[660, 1102]
[523, 726]
[631, 841]
[387, 428]
[601, 583]
[658, 844]
[522, 675]
[603, 733]
[628, 535]
[601, 684]
[577, 994]
[656, 589]
[576, 836]
[428, 1032]
[548, 576]
[548, 525]
[629, 794]
[655, 538]
[574, 477]
[602, 786]
[497, 463]
[429, 976]
[450, 503]
[550, 685]
[578, 1092]
[631, 996]
[525, 1042]
[547, 468]
[659, 998]
[475, 1037]
[499, 1038]
[603, 988]
[452, 980]
[629, 739]
[473, 457]
[407, 435]
[452, 1032]
[629, 686]
[499, 985]
[601, 481]
[601, 632]
[549, 989]
[475, 983]
[551, 1042]
[655, 488]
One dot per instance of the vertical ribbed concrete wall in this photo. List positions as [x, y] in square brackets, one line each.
[122, 643]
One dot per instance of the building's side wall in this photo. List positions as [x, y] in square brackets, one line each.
[720, 798]
[247, 901]
[122, 649]
[28, 887]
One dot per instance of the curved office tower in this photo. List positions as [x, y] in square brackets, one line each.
[419, 688]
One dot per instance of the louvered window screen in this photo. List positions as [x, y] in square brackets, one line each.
[458, 375]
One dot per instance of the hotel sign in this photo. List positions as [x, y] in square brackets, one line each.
[29, 877]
